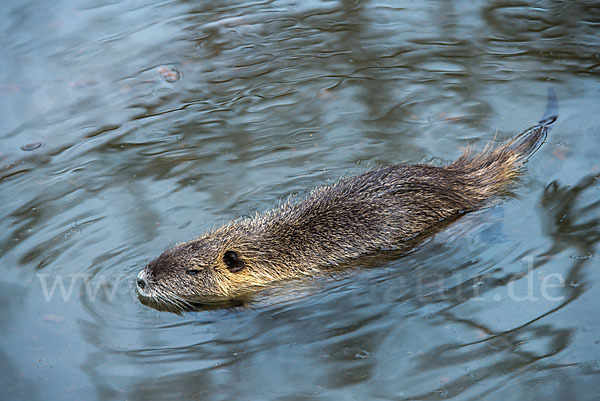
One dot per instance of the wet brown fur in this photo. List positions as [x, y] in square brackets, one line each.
[383, 209]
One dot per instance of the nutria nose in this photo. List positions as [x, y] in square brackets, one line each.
[141, 283]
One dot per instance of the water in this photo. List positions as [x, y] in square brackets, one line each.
[129, 126]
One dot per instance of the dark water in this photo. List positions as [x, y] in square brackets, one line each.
[129, 126]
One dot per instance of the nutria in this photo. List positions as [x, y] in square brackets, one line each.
[383, 209]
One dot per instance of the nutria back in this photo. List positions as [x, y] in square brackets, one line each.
[383, 209]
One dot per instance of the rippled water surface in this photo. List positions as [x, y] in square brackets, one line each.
[129, 126]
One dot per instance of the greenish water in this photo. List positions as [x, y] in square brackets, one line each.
[130, 126]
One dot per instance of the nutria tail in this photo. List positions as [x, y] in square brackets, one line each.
[529, 141]
[489, 172]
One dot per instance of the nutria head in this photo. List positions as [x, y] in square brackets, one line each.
[197, 270]
[219, 265]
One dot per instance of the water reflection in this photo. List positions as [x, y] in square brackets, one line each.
[530, 344]
[570, 223]
[275, 98]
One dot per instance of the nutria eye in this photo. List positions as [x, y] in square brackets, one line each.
[192, 272]
[233, 262]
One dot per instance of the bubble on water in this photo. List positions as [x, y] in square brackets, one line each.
[362, 354]
[31, 146]
[169, 73]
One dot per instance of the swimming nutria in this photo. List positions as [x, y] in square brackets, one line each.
[382, 209]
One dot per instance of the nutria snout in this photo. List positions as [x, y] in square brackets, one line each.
[381, 209]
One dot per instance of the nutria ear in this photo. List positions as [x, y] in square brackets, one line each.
[233, 262]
